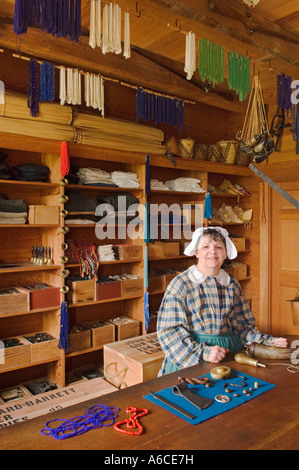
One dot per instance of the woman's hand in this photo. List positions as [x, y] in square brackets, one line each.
[281, 342]
[217, 354]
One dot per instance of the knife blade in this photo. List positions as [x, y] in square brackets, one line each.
[173, 406]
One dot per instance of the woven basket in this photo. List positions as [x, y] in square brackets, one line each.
[229, 150]
[215, 153]
[201, 152]
[172, 146]
[186, 147]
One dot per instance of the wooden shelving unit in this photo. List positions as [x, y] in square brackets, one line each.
[16, 243]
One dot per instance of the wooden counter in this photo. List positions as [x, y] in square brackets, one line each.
[270, 421]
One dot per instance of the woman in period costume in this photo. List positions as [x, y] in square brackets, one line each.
[203, 314]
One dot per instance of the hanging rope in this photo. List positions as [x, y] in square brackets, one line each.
[190, 55]
[33, 89]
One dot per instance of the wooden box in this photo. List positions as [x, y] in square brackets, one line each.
[44, 215]
[90, 371]
[131, 287]
[108, 290]
[125, 327]
[128, 251]
[16, 356]
[133, 360]
[13, 300]
[101, 333]
[155, 250]
[43, 298]
[80, 340]
[44, 350]
[239, 271]
[156, 283]
[44, 382]
[81, 291]
[14, 393]
[171, 249]
[242, 244]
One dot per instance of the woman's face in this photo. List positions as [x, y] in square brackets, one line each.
[211, 255]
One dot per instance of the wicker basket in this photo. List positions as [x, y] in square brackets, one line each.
[172, 146]
[186, 147]
[201, 152]
[215, 153]
[229, 150]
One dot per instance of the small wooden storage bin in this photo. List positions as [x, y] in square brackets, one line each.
[131, 287]
[80, 340]
[16, 356]
[168, 278]
[171, 249]
[125, 327]
[133, 360]
[43, 351]
[81, 291]
[242, 244]
[16, 300]
[108, 290]
[14, 393]
[101, 333]
[156, 283]
[128, 251]
[155, 250]
[239, 272]
[43, 298]
[44, 215]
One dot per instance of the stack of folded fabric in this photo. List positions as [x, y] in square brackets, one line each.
[158, 185]
[95, 177]
[106, 253]
[32, 172]
[81, 209]
[125, 179]
[185, 184]
[5, 171]
[227, 214]
[12, 212]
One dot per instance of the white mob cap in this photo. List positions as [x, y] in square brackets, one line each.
[193, 245]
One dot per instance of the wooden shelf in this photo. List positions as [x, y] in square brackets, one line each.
[45, 188]
[30, 312]
[96, 302]
[138, 192]
[28, 267]
[30, 226]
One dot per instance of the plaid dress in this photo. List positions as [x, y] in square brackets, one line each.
[195, 304]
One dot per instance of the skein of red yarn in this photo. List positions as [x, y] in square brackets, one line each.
[65, 159]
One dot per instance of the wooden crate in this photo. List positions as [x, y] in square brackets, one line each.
[168, 278]
[241, 244]
[101, 333]
[171, 249]
[39, 214]
[81, 291]
[29, 386]
[108, 290]
[43, 298]
[44, 350]
[132, 287]
[80, 340]
[125, 327]
[17, 301]
[132, 361]
[128, 251]
[16, 356]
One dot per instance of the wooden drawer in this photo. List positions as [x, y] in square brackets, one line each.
[108, 290]
[171, 249]
[241, 244]
[155, 250]
[239, 272]
[156, 283]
